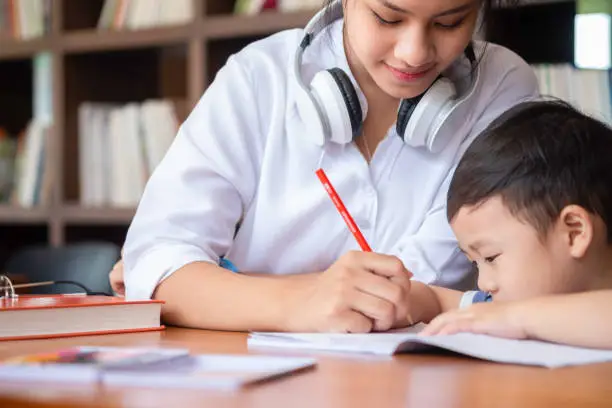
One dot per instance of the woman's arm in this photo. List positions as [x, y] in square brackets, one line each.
[203, 295]
[580, 319]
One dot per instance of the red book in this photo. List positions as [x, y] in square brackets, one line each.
[269, 5]
[48, 316]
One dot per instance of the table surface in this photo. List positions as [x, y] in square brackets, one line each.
[406, 380]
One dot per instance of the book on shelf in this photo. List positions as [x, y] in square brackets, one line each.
[24, 19]
[149, 367]
[141, 14]
[252, 7]
[587, 89]
[120, 146]
[25, 172]
[48, 316]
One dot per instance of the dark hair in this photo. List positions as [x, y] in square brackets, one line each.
[539, 157]
[487, 8]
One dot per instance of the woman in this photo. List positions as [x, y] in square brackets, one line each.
[384, 95]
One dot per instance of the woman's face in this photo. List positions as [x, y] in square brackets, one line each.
[403, 45]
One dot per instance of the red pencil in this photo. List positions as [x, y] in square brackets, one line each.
[343, 211]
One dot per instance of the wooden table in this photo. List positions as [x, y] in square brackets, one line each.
[410, 380]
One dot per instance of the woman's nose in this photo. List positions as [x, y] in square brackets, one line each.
[414, 48]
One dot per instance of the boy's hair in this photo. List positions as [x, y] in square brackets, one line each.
[539, 157]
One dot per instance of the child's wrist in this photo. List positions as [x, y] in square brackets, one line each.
[423, 303]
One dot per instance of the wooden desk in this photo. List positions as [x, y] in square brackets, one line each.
[402, 381]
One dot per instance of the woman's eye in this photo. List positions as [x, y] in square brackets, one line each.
[452, 25]
[383, 21]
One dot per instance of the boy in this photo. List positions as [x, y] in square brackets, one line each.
[531, 206]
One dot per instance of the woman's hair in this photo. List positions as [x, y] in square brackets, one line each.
[539, 157]
[487, 7]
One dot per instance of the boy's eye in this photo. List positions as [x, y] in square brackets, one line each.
[490, 259]
[383, 21]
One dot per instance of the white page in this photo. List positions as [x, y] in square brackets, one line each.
[526, 352]
[211, 371]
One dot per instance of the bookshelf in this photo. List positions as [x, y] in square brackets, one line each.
[176, 62]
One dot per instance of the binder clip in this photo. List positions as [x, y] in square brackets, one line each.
[7, 289]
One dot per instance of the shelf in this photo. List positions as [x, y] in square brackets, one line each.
[17, 49]
[79, 215]
[19, 215]
[230, 26]
[107, 40]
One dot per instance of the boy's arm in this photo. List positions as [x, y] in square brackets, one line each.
[427, 301]
[580, 319]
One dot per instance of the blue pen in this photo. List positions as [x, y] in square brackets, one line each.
[225, 263]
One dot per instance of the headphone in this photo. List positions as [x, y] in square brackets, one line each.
[337, 112]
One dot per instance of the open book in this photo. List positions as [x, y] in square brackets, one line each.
[527, 352]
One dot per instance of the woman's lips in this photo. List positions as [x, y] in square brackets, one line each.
[407, 76]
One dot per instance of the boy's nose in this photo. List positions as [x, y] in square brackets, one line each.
[487, 284]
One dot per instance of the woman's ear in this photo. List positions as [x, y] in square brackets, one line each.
[576, 225]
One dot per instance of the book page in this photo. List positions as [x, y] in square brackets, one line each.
[526, 352]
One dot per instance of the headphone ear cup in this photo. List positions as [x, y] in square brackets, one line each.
[421, 126]
[407, 107]
[339, 104]
[351, 100]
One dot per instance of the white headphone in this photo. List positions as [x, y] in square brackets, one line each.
[335, 112]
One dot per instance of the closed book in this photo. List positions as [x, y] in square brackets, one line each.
[47, 316]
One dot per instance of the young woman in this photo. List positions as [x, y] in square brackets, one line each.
[384, 95]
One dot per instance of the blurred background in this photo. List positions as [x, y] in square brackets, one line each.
[92, 93]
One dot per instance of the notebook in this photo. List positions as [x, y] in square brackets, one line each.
[46, 316]
[223, 371]
[524, 352]
[149, 367]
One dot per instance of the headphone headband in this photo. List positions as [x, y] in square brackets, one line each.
[335, 109]
[318, 23]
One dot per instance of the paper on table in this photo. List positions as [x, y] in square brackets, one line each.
[526, 352]
[213, 371]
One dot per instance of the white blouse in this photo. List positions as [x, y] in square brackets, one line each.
[243, 158]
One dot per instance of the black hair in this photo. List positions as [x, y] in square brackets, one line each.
[486, 9]
[539, 157]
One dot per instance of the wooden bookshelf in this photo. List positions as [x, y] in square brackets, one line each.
[170, 61]
[167, 61]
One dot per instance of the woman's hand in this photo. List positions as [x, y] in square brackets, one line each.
[496, 319]
[361, 292]
[116, 278]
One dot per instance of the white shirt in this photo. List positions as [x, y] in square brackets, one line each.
[242, 156]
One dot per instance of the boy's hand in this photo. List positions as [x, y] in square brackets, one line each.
[495, 319]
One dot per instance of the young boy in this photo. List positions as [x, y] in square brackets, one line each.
[531, 206]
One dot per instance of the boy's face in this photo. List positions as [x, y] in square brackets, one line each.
[513, 261]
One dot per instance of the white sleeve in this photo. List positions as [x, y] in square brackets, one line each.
[197, 194]
[432, 254]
